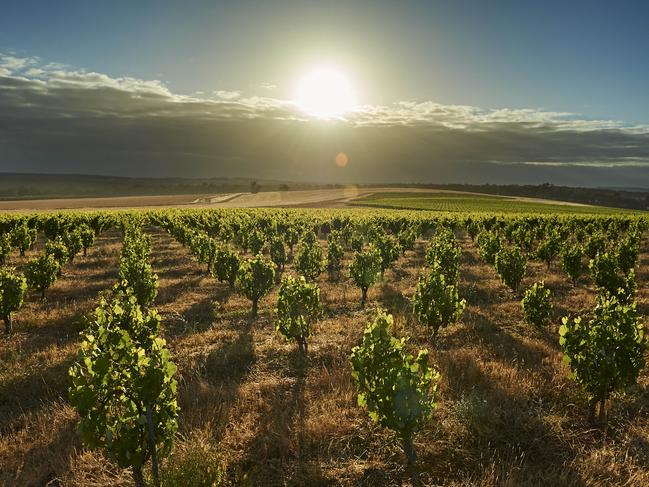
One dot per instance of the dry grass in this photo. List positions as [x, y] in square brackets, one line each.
[254, 412]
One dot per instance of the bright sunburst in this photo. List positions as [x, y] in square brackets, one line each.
[325, 92]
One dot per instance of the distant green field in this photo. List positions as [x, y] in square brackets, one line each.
[475, 203]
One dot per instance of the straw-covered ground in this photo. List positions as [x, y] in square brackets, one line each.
[254, 412]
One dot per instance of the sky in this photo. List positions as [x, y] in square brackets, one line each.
[500, 91]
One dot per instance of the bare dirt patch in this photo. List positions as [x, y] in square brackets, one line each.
[104, 203]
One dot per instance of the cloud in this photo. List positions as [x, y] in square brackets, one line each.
[55, 118]
[228, 95]
[13, 63]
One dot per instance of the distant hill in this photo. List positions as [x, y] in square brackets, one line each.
[23, 186]
[20, 186]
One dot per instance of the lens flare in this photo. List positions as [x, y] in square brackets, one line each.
[341, 159]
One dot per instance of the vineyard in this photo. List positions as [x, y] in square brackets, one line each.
[468, 202]
[325, 346]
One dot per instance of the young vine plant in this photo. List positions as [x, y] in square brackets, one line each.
[398, 390]
[298, 305]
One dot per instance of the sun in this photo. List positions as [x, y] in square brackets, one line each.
[325, 92]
